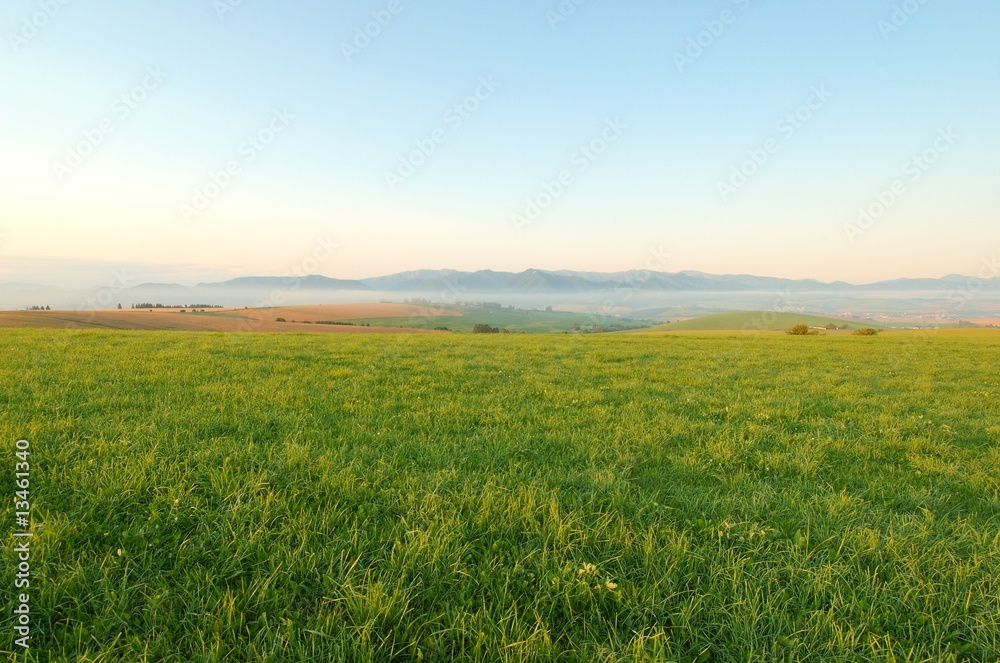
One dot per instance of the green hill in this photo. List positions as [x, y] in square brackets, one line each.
[755, 320]
[512, 319]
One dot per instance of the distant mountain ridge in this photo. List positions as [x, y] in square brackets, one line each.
[568, 281]
[528, 288]
[537, 280]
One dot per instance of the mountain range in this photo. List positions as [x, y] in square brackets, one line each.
[537, 280]
[531, 287]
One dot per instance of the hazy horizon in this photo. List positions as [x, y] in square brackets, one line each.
[71, 274]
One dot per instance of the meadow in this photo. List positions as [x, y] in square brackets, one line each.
[309, 497]
[349, 318]
[751, 321]
[463, 318]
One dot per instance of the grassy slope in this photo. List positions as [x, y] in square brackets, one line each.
[456, 318]
[307, 497]
[515, 320]
[755, 320]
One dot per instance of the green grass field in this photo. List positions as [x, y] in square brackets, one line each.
[255, 497]
[756, 321]
[514, 320]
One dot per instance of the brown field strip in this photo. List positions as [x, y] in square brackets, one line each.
[226, 320]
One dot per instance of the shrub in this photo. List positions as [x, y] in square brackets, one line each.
[485, 329]
[801, 330]
[867, 331]
[279, 319]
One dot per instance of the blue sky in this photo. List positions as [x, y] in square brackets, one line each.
[202, 78]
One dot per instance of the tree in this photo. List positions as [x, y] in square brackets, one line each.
[867, 331]
[485, 329]
[119, 307]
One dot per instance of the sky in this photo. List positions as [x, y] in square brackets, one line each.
[855, 140]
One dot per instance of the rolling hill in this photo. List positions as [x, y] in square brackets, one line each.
[755, 321]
